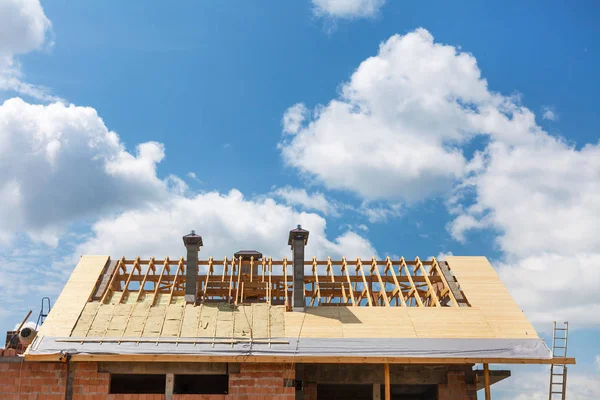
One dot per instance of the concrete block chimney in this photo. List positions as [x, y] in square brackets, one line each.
[297, 240]
[192, 243]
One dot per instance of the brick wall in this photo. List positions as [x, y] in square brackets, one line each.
[47, 381]
[456, 388]
[32, 381]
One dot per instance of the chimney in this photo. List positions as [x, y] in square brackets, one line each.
[297, 240]
[192, 243]
[246, 256]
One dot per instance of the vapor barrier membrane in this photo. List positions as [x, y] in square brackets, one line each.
[307, 347]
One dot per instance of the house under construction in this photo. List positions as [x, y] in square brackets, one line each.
[251, 327]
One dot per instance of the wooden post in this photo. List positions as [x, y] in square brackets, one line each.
[486, 381]
[388, 391]
[169, 386]
[376, 391]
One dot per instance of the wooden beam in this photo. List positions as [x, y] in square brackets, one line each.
[486, 381]
[431, 290]
[345, 271]
[414, 291]
[109, 289]
[398, 291]
[291, 358]
[174, 284]
[388, 390]
[162, 272]
[382, 291]
[150, 267]
[437, 268]
[136, 267]
[364, 279]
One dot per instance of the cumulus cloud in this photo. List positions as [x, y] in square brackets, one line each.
[23, 28]
[59, 163]
[397, 127]
[347, 9]
[307, 201]
[397, 131]
[227, 221]
[531, 383]
[544, 201]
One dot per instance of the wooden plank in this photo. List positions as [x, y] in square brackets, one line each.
[293, 359]
[162, 273]
[382, 290]
[151, 267]
[360, 269]
[177, 274]
[388, 391]
[106, 278]
[345, 271]
[70, 304]
[414, 292]
[136, 267]
[486, 381]
[431, 290]
[109, 289]
[398, 291]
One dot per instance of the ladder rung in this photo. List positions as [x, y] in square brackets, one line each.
[560, 329]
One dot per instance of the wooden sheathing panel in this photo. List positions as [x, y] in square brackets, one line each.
[72, 300]
[224, 324]
[101, 321]
[118, 322]
[208, 321]
[485, 291]
[277, 321]
[137, 319]
[260, 321]
[364, 323]
[84, 323]
[154, 322]
[173, 318]
[317, 322]
[243, 321]
[449, 323]
[190, 323]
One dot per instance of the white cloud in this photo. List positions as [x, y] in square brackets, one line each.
[381, 213]
[294, 117]
[192, 175]
[396, 129]
[442, 256]
[347, 9]
[396, 132]
[531, 383]
[23, 28]
[549, 114]
[543, 197]
[227, 222]
[59, 163]
[307, 201]
[598, 362]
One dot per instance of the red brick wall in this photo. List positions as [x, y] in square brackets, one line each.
[32, 381]
[47, 381]
[456, 388]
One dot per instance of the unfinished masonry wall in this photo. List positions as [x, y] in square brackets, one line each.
[48, 381]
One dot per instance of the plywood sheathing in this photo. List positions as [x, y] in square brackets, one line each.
[74, 296]
[493, 314]
[486, 292]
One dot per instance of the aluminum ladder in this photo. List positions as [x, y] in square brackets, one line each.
[558, 372]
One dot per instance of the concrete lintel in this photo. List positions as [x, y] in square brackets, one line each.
[163, 368]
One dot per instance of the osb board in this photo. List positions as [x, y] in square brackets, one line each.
[485, 292]
[74, 297]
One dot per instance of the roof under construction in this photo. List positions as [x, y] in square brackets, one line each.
[404, 311]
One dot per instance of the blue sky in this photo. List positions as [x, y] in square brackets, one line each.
[388, 128]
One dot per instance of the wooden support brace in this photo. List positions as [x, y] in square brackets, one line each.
[388, 391]
[486, 381]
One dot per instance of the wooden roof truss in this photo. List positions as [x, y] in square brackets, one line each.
[369, 283]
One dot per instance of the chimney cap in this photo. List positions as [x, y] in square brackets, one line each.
[298, 233]
[247, 254]
[192, 239]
